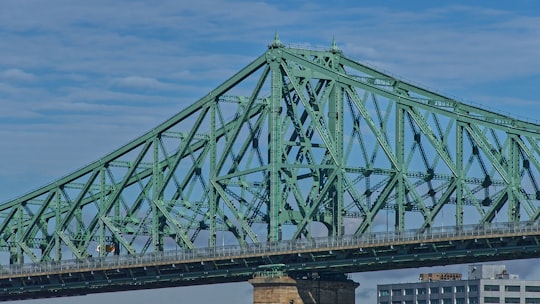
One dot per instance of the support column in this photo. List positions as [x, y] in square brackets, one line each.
[286, 290]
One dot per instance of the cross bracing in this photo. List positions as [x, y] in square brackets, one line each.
[298, 144]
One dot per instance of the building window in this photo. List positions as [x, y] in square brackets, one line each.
[511, 300]
[447, 289]
[460, 288]
[396, 302]
[434, 290]
[409, 292]
[460, 300]
[447, 301]
[434, 301]
[532, 300]
[473, 300]
[397, 292]
[421, 302]
[384, 293]
[409, 302]
[383, 302]
[491, 299]
[491, 287]
[512, 288]
[473, 288]
[532, 288]
[421, 291]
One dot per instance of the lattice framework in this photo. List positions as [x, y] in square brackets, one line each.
[299, 143]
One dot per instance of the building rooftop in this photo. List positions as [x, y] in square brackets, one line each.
[440, 276]
[493, 272]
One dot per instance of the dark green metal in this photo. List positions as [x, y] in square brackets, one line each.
[326, 257]
[275, 141]
[321, 146]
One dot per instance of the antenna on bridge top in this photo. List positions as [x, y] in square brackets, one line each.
[334, 48]
[276, 43]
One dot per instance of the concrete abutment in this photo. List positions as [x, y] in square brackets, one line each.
[288, 290]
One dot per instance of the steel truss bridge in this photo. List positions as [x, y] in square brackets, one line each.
[304, 158]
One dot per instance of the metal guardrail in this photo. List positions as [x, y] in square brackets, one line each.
[315, 244]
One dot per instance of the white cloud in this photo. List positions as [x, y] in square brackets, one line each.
[138, 82]
[17, 75]
[430, 46]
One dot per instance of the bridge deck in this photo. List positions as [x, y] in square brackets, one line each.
[347, 254]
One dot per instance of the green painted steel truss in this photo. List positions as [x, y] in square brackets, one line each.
[298, 144]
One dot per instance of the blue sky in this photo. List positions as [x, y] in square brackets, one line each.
[81, 78]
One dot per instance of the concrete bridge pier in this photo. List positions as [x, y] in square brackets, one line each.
[303, 290]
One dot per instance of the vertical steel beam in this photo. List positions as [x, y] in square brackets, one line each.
[58, 224]
[157, 198]
[515, 180]
[213, 195]
[275, 146]
[459, 173]
[401, 169]
[19, 254]
[335, 126]
[102, 199]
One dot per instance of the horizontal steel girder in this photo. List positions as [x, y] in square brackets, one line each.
[381, 251]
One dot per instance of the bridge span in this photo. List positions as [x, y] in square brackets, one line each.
[310, 164]
[326, 257]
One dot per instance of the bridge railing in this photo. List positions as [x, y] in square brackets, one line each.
[326, 243]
